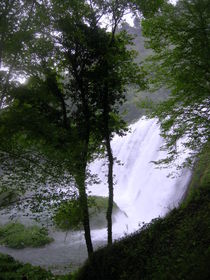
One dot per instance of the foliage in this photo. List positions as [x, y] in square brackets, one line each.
[179, 36]
[69, 215]
[149, 7]
[201, 174]
[175, 247]
[78, 73]
[20, 22]
[16, 235]
[11, 269]
[31, 166]
[77, 77]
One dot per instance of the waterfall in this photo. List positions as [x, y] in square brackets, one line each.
[142, 191]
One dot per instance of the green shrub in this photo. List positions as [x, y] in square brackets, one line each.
[14, 270]
[16, 235]
[11, 269]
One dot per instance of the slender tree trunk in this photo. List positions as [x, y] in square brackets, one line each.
[111, 190]
[106, 111]
[84, 206]
[110, 163]
[82, 169]
[86, 222]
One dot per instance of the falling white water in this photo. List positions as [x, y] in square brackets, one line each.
[141, 191]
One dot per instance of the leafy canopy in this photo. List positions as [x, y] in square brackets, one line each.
[180, 38]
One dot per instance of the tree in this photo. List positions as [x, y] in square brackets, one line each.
[180, 38]
[30, 132]
[58, 115]
[41, 110]
[20, 21]
[115, 71]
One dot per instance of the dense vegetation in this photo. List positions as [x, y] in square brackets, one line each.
[16, 235]
[201, 173]
[14, 270]
[65, 115]
[175, 247]
[180, 38]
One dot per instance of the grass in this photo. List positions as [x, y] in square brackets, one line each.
[16, 235]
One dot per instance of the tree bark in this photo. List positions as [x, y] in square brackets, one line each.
[111, 190]
[82, 168]
[84, 206]
[110, 164]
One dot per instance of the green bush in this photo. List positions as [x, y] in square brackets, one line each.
[16, 235]
[14, 270]
[11, 269]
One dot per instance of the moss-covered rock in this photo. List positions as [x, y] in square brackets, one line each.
[69, 215]
[98, 209]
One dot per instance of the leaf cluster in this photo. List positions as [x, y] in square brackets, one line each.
[179, 36]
